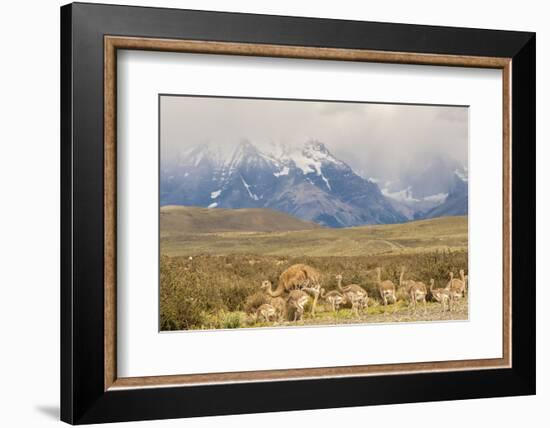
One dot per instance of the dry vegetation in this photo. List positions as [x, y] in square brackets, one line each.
[201, 235]
[212, 292]
[214, 261]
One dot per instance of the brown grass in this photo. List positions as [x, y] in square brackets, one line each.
[209, 292]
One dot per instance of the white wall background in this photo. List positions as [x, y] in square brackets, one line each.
[29, 215]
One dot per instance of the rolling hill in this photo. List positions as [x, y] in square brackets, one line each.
[199, 237]
[178, 220]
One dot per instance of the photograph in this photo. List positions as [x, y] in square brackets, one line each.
[287, 212]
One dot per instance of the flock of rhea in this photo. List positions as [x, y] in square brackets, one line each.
[300, 284]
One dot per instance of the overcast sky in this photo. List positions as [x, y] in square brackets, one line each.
[375, 139]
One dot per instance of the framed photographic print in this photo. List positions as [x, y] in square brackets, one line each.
[265, 213]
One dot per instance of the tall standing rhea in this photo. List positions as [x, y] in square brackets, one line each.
[416, 291]
[443, 296]
[385, 288]
[457, 286]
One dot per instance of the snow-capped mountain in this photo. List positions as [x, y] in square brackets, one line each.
[435, 188]
[306, 182]
[456, 201]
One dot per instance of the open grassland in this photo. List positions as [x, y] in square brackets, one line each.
[424, 236]
[177, 219]
[215, 292]
[214, 261]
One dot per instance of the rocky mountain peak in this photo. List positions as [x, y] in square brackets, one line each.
[306, 181]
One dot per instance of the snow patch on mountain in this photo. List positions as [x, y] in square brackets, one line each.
[462, 174]
[199, 158]
[310, 158]
[215, 194]
[406, 195]
[247, 187]
[437, 198]
[318, 151]
[302, 162]
[326, 181]
[282, 172]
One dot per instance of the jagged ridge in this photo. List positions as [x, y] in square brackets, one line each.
[307, 182]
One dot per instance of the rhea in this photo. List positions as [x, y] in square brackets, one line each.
[266, 313]
[385, 288]
[296, 301]
[334, 298]
[457, 286]
[416, 291]
[443, 296]
[355, 294]
[297, 277]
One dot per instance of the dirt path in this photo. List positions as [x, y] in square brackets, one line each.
[394, 313]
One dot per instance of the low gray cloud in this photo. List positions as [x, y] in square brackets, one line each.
[376, 139]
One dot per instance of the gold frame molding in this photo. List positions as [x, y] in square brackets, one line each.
[113, 43]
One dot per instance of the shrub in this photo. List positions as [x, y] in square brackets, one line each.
[254, 301]
[231, 320]
[200, 293]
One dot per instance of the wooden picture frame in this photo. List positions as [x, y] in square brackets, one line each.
[91, 390]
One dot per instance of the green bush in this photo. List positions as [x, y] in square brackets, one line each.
[232, 320]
